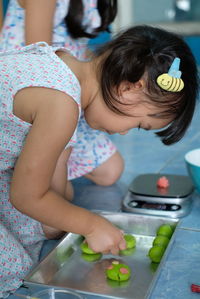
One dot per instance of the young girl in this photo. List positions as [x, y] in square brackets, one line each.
[42, 94]
[69, 23]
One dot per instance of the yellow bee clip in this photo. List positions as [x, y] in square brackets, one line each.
[172, 81]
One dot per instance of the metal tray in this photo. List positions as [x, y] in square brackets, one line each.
[65, 268]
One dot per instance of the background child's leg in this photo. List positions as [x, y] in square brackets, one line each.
[94, 156]
[108, 172]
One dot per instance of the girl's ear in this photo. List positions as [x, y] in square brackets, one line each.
[126, 86]
[139, 85]
[127, 90]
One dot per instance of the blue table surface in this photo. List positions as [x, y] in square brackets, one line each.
[144, 153]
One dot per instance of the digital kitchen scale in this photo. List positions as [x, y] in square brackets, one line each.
[145, 197]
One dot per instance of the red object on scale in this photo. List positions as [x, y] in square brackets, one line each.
[163, 182]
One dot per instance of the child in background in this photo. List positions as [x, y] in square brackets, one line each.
[71, 24]
[66, 23]
[42, 94]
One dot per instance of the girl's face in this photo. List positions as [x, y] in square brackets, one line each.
[100, 117]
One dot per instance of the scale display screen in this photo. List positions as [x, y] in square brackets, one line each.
[153, 206]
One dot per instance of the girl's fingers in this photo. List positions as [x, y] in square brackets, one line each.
[122, 244]
[114, 251]
[106, 252]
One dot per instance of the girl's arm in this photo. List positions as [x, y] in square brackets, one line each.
[54, 117]
[59, 181]
[39, 16]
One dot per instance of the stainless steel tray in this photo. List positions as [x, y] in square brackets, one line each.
[64, 267]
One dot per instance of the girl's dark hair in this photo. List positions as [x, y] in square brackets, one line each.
[107, 10]
[149, 52]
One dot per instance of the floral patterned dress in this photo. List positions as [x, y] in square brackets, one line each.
[21, 237]
[93, 147]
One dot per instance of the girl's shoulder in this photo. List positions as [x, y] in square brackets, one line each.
[38, 65]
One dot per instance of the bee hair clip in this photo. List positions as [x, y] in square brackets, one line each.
[171, 81]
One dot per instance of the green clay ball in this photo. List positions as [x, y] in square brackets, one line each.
[130, 241]
[161, 241]
[156, 253]
[154, 266]
[118, 272]
[130, 244]
[117, 284]
[91, 257]
[127, 252]
[165, 230]
[86, 249]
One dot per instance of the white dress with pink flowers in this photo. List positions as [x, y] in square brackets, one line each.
[93, 147]
[21, 237]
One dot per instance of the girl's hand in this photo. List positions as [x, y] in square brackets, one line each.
[104, 237]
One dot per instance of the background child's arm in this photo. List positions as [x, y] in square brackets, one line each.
[54, 117]
[39, 16]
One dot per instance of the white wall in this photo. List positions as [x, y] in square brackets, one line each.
[125, 15]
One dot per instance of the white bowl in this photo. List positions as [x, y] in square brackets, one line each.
[192, 160]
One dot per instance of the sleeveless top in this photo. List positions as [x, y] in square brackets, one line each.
[34, 65]
[93, 147]
[12, 34]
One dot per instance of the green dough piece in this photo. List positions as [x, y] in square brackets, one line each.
[117, 284]
[86, 249]
[161, 241]
[91, 257]
[127, 252]
[130, 244]
[154, 266]
[130, 241]
[156, 253]
[118, 272]
[165, 230]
